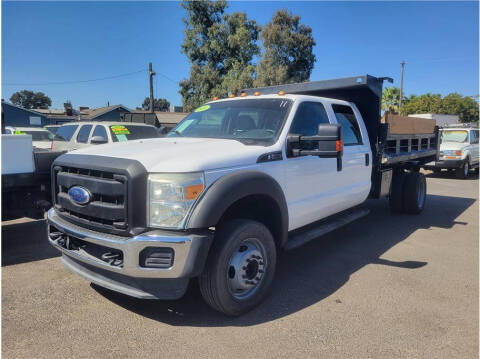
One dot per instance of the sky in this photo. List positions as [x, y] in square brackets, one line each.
[60, 47]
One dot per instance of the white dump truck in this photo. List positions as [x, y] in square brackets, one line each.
[237, 181]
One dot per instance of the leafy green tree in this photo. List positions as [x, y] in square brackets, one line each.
[288, 51]
[465, 107]
[220, 48]
[391, 99]
[159, 104]
[30, 99]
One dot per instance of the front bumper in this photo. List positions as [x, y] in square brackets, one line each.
[129, 276]
[445, 164]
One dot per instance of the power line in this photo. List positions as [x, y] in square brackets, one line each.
[74, 82]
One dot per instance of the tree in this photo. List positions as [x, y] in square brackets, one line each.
[220, 48]
[288, 51]
[391, 99]
[453, 104]
[159, 104]
[29, 99]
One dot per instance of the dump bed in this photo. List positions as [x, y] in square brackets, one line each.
[366, 92]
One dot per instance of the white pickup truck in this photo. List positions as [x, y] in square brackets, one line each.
[236, 182]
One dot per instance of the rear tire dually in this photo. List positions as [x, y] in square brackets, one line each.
[415, 192]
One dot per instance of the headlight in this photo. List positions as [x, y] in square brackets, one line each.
[171, 196]
[451, 152]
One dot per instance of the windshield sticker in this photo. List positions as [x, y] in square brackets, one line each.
[121, 138]
[120, 130]
[202, 108]
[181, 127]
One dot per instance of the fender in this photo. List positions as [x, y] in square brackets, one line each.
[231, 188]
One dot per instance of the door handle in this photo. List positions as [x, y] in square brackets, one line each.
[367, 159]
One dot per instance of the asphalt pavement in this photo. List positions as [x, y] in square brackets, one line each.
[385, 286]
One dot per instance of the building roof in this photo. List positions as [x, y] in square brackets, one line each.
[95, 112]
[34, 111]
[170, 117]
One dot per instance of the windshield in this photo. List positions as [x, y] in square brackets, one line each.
[43, 136]
[244, 120]
[122, 133]
[454, 136]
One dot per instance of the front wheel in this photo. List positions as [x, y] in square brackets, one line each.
[240, 267]
[463, 171]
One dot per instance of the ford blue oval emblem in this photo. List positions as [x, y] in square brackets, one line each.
[79, 195]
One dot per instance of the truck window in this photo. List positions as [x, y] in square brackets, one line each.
[474, 136]
[100, 131]
[350, 129]
[459, 136]
[309, 115]
[83, 134]
[247, 120]
[42, 136]
[65, 133]
[132, 132]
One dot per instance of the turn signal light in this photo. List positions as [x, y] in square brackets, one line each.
[215, 98]
[243, 94]
[458, 153]
[193, 191]
[338, 145]
[256, 93]
[232, 95]
[281, 92]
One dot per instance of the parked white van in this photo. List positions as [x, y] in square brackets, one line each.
[458, 150]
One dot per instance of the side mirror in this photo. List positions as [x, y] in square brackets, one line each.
[98, 140]
[328, 143]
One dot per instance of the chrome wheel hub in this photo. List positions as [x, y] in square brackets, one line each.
[246, 268]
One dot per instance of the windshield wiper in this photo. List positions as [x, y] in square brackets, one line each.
[177, 133]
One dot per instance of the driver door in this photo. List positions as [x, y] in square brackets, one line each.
[311, 190]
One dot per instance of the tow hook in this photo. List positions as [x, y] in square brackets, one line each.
[113, 259]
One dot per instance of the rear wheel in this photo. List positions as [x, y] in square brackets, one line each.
[463, 171]
[240, 267]
[395, 199]
[414, 193]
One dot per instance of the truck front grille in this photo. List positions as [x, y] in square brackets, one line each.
[107, 208]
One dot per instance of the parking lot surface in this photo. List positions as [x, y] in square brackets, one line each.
[384, 286]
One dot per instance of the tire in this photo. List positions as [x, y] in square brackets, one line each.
[240, 267]
[414, 193]
[463, 171]
[395, 199]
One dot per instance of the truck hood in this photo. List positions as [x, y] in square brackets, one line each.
[453, 145]
[175, 154]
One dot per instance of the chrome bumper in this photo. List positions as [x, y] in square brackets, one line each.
[190, 250]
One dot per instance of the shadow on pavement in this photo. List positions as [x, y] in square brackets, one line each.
[26, 242]
[451, 175]
[313, 272]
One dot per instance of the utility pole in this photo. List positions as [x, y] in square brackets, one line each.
[151, 73]
[401, 84]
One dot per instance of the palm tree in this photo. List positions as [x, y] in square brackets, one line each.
[391, 99]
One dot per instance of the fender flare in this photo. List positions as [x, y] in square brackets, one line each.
[233, 187]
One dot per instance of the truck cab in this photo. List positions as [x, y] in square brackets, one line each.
[237, 181]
